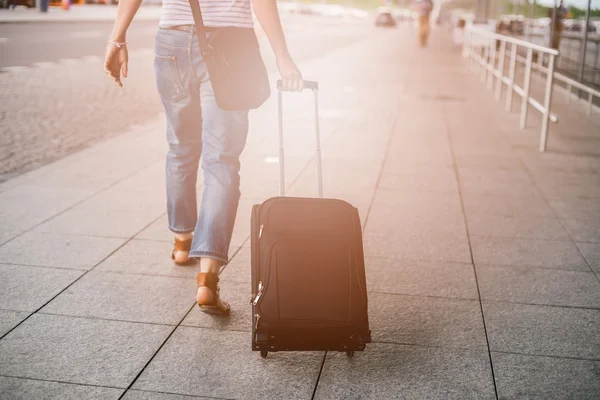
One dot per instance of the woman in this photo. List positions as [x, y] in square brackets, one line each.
[197, 129]
[423, 9]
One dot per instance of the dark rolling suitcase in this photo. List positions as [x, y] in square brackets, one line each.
[308, 276]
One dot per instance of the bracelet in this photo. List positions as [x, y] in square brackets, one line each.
[117, 44]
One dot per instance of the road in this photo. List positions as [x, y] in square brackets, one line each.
[56, 98]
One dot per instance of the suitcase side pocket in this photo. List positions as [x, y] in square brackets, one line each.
[316, 286]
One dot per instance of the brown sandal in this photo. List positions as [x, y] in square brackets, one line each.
[217, 306]
[181, 245]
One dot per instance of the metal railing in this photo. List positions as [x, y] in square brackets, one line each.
[489, 50]
[569, 84]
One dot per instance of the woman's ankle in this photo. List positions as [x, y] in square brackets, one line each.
[183, 236]
[208, 264]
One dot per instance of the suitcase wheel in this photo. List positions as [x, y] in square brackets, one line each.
[350, 353]
[263, 353]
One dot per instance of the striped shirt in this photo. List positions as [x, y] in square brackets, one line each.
[215, 13]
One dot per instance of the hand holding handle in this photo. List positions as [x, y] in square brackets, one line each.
[307, 85]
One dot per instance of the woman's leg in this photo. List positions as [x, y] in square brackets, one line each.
[179, 93]
[224, 137]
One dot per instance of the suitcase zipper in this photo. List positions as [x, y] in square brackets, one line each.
[257, 318]
[260, 292]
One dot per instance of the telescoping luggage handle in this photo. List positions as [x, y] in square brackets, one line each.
[314, 86]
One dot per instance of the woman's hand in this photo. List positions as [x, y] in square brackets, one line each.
[115, 62]
[291, 77]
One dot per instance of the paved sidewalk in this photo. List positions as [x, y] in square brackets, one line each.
[482, 254]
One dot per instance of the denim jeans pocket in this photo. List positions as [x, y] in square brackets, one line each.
[168, 80]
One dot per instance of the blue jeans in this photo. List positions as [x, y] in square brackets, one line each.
[197, 129]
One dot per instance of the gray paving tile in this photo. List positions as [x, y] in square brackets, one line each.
[158, 230]
[24, 389]
[500, 189]
[239, 268]
[507, 206]
[580, 208]
[543, 330]
[28, 288]
[136, 298]
[404, 157]
[25, 206]
[533, 377]
[392, 275]
[505, 162]
[56, 250]
[414, 221]
[192, 362]
[537, 253]
[142, 395]
[583, 230]
[98, 222]
[431, 180]
[433, 247]
[517, 227]
[240, 319]
[591, 252]
[386, 371]
[10, 319]
[426, 321]
[397, 201]
[7, 234]
[539, 286]
[79, 350]
[479, 175]
[557, 186]
[542, 163]
[147, 257]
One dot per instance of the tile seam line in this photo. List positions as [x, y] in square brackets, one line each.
[546, 355]
[60, 381]
[145, 167]
[179, 324]
[536, 238]
[482, 349]
[484, 300]
[391, 136]
[377, 183]
[520, 156]
[193, 396]
[314, 393]
[166, 340]
[12, 264]
[81, 276]
[89, 317]
[448, 130]
[430, 346]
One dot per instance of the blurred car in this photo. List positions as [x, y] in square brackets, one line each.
[26, 3]
[384, 18]
[576, 25]
[403, 14]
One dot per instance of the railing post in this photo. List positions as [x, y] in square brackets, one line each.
[483, 75]
[492, 64]
[526, 84]
[466, 44]
[590, 98]
[511, 76]
[471, 48]
[500, 77]
[547, 101]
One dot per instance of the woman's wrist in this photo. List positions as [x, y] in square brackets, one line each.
[119, 37]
